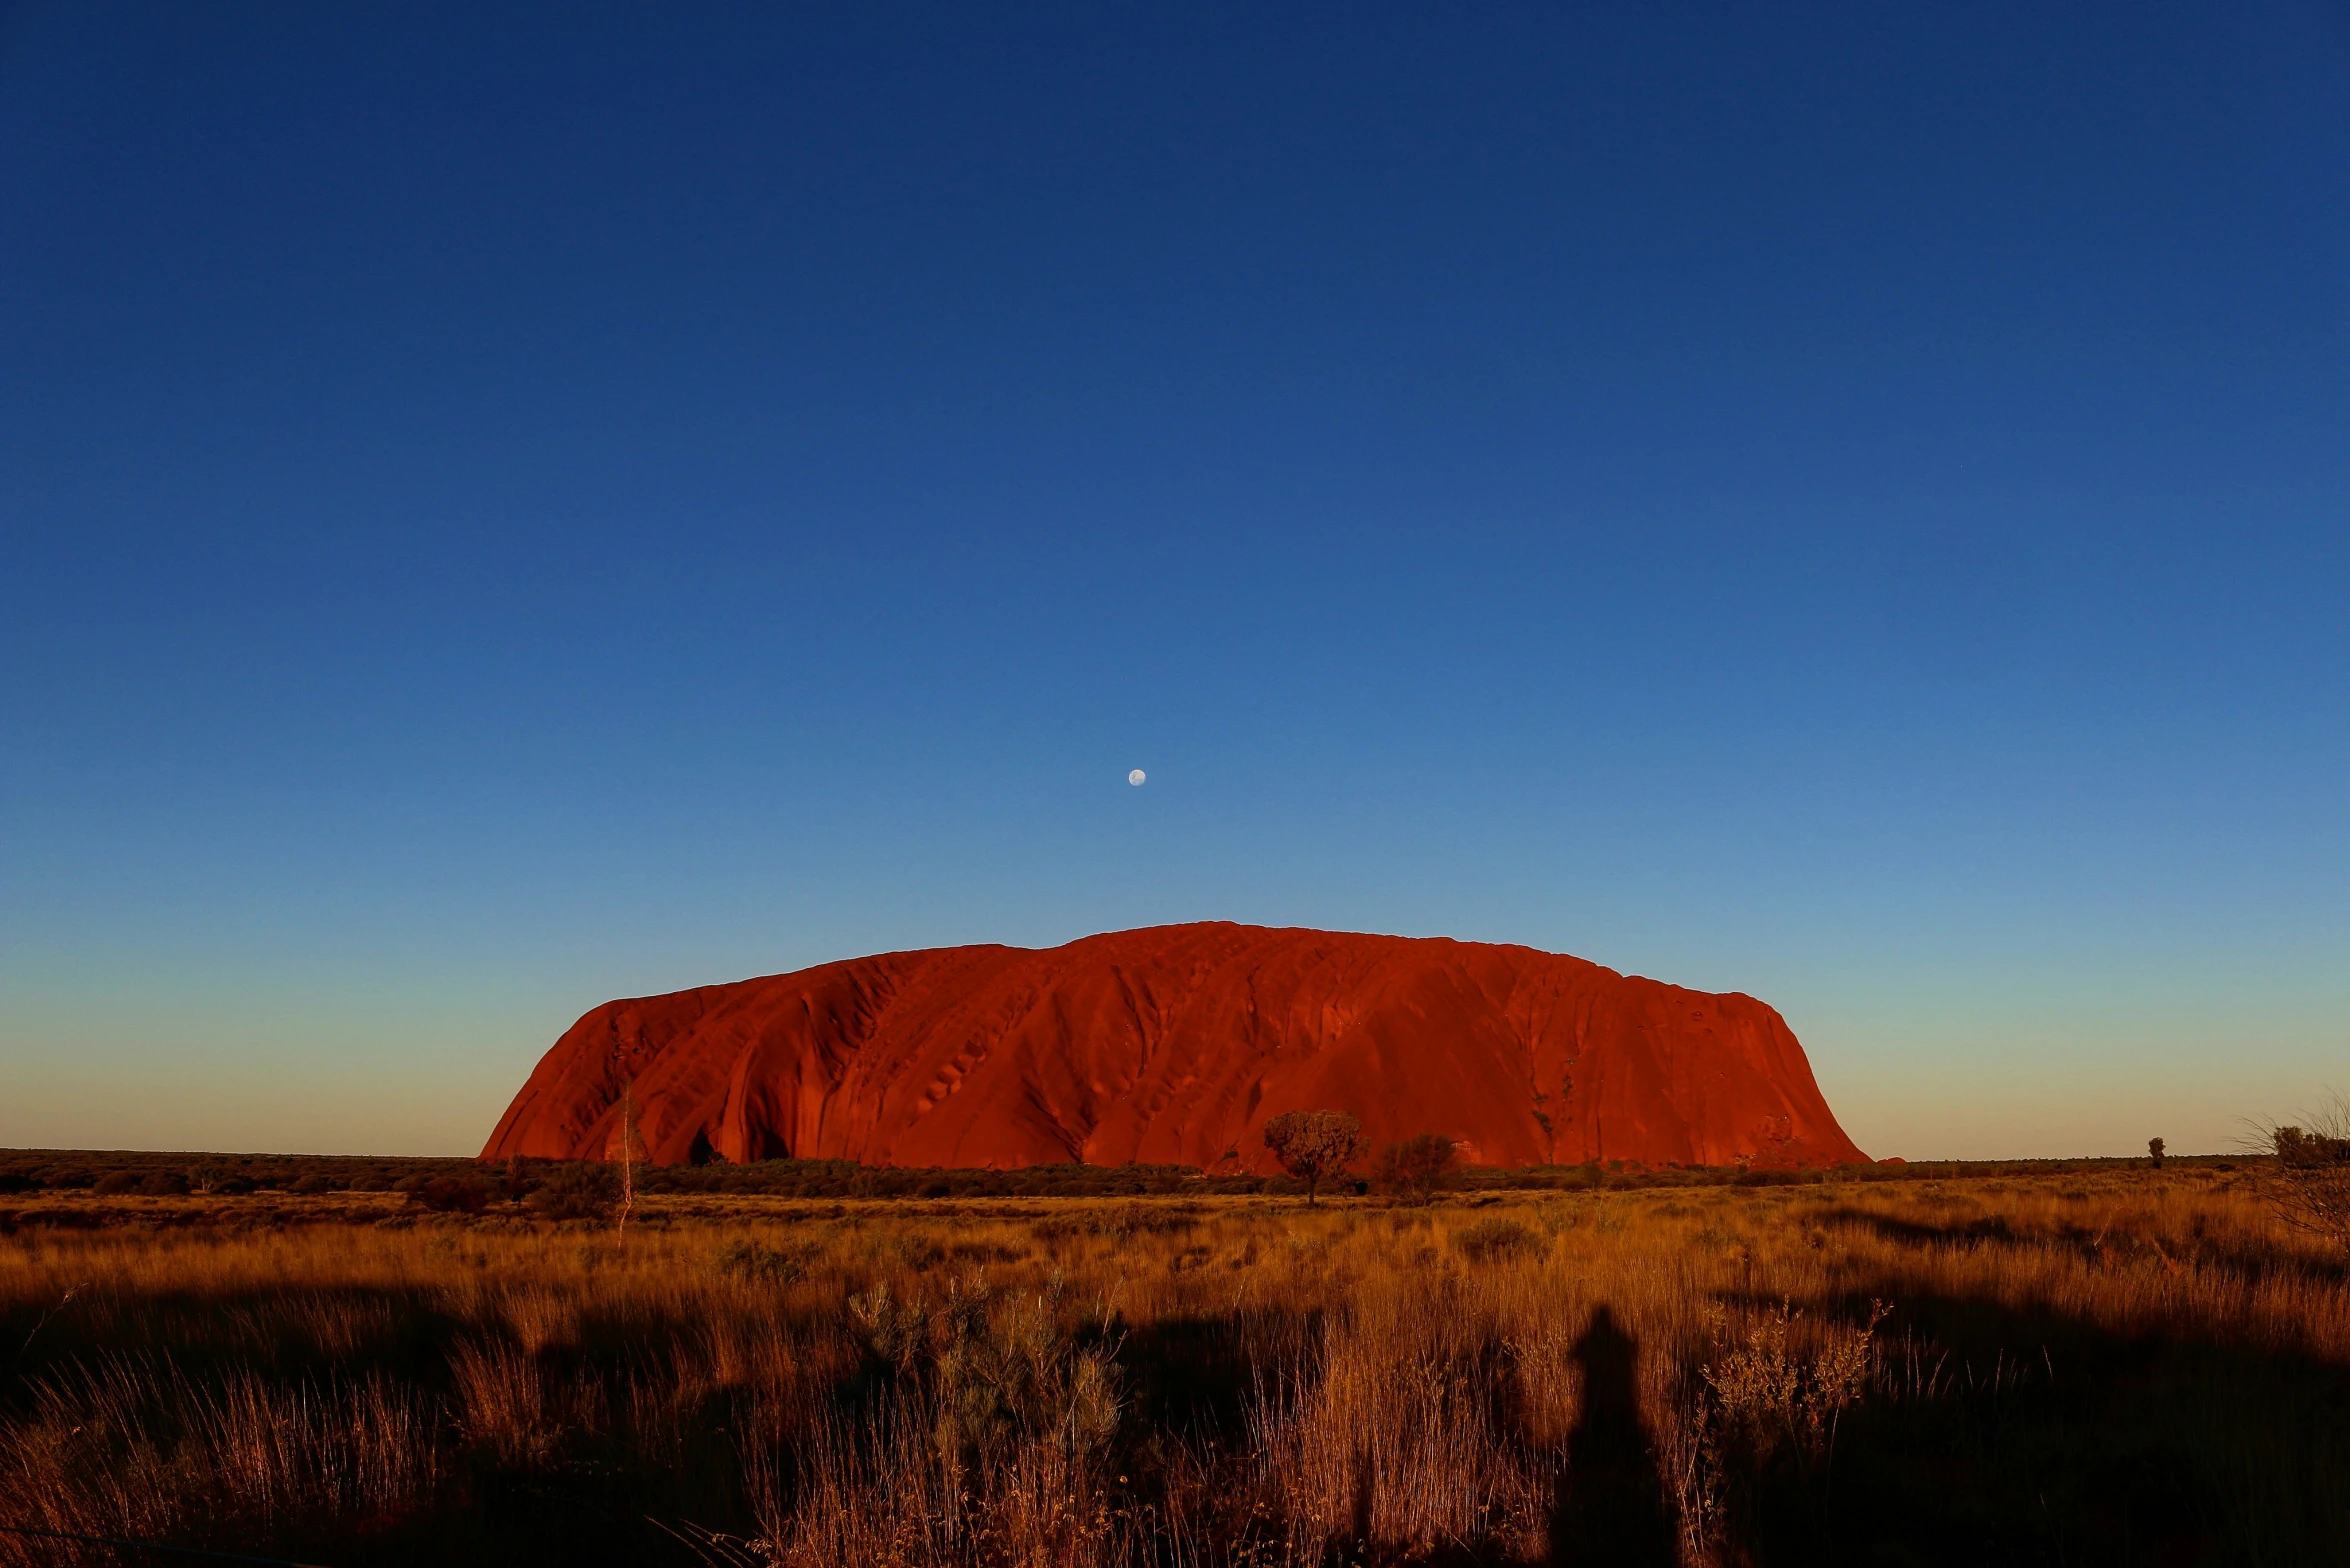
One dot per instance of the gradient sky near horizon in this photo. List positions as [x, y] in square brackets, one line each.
[504, 507]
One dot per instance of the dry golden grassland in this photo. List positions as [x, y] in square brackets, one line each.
[2133, 1367]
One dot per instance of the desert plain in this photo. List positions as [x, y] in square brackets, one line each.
[793, 1363]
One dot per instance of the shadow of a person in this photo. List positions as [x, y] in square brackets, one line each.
[1611, 1507]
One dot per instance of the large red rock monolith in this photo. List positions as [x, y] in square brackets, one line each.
[1174, 1045]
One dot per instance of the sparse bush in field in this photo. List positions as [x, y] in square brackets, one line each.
[989, 1445]
[1495, 1240]
[450, 1195]
[1765, 1405]
[915, 1252]
[1772, 1392]
[996, 1364]
[759, 1264]
[1145, 1219]
[115, 1184]
[577, 1192]
[1128, 1219]
[163, 1184]
[2310, 1189]
[514, 1182]
[1557, 1217]
[1416, 1167]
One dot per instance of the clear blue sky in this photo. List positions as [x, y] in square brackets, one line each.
[508, 507]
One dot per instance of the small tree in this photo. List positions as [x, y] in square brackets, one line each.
[1418, 1165]
[2154, 1151]
[1314, 1144]
[514, 1183]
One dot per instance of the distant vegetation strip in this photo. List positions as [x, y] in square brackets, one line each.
[129, 1173]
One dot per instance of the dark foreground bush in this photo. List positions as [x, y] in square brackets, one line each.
[1417, 1166]
[450, 1195]
[578, 1192]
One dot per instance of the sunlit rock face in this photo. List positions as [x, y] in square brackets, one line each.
[1174, 1045]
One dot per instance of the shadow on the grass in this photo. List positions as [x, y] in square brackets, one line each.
[1611, 1507]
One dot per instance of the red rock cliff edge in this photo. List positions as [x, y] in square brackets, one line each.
[1174, 1045]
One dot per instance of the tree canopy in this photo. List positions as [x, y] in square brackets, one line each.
[1312, 1145]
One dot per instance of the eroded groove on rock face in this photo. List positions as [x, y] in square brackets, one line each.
[1175, 1045]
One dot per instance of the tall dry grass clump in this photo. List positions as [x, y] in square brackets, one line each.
[134, 1447]
[1392, 1432]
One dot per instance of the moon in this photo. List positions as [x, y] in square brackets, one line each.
[1135, 778]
